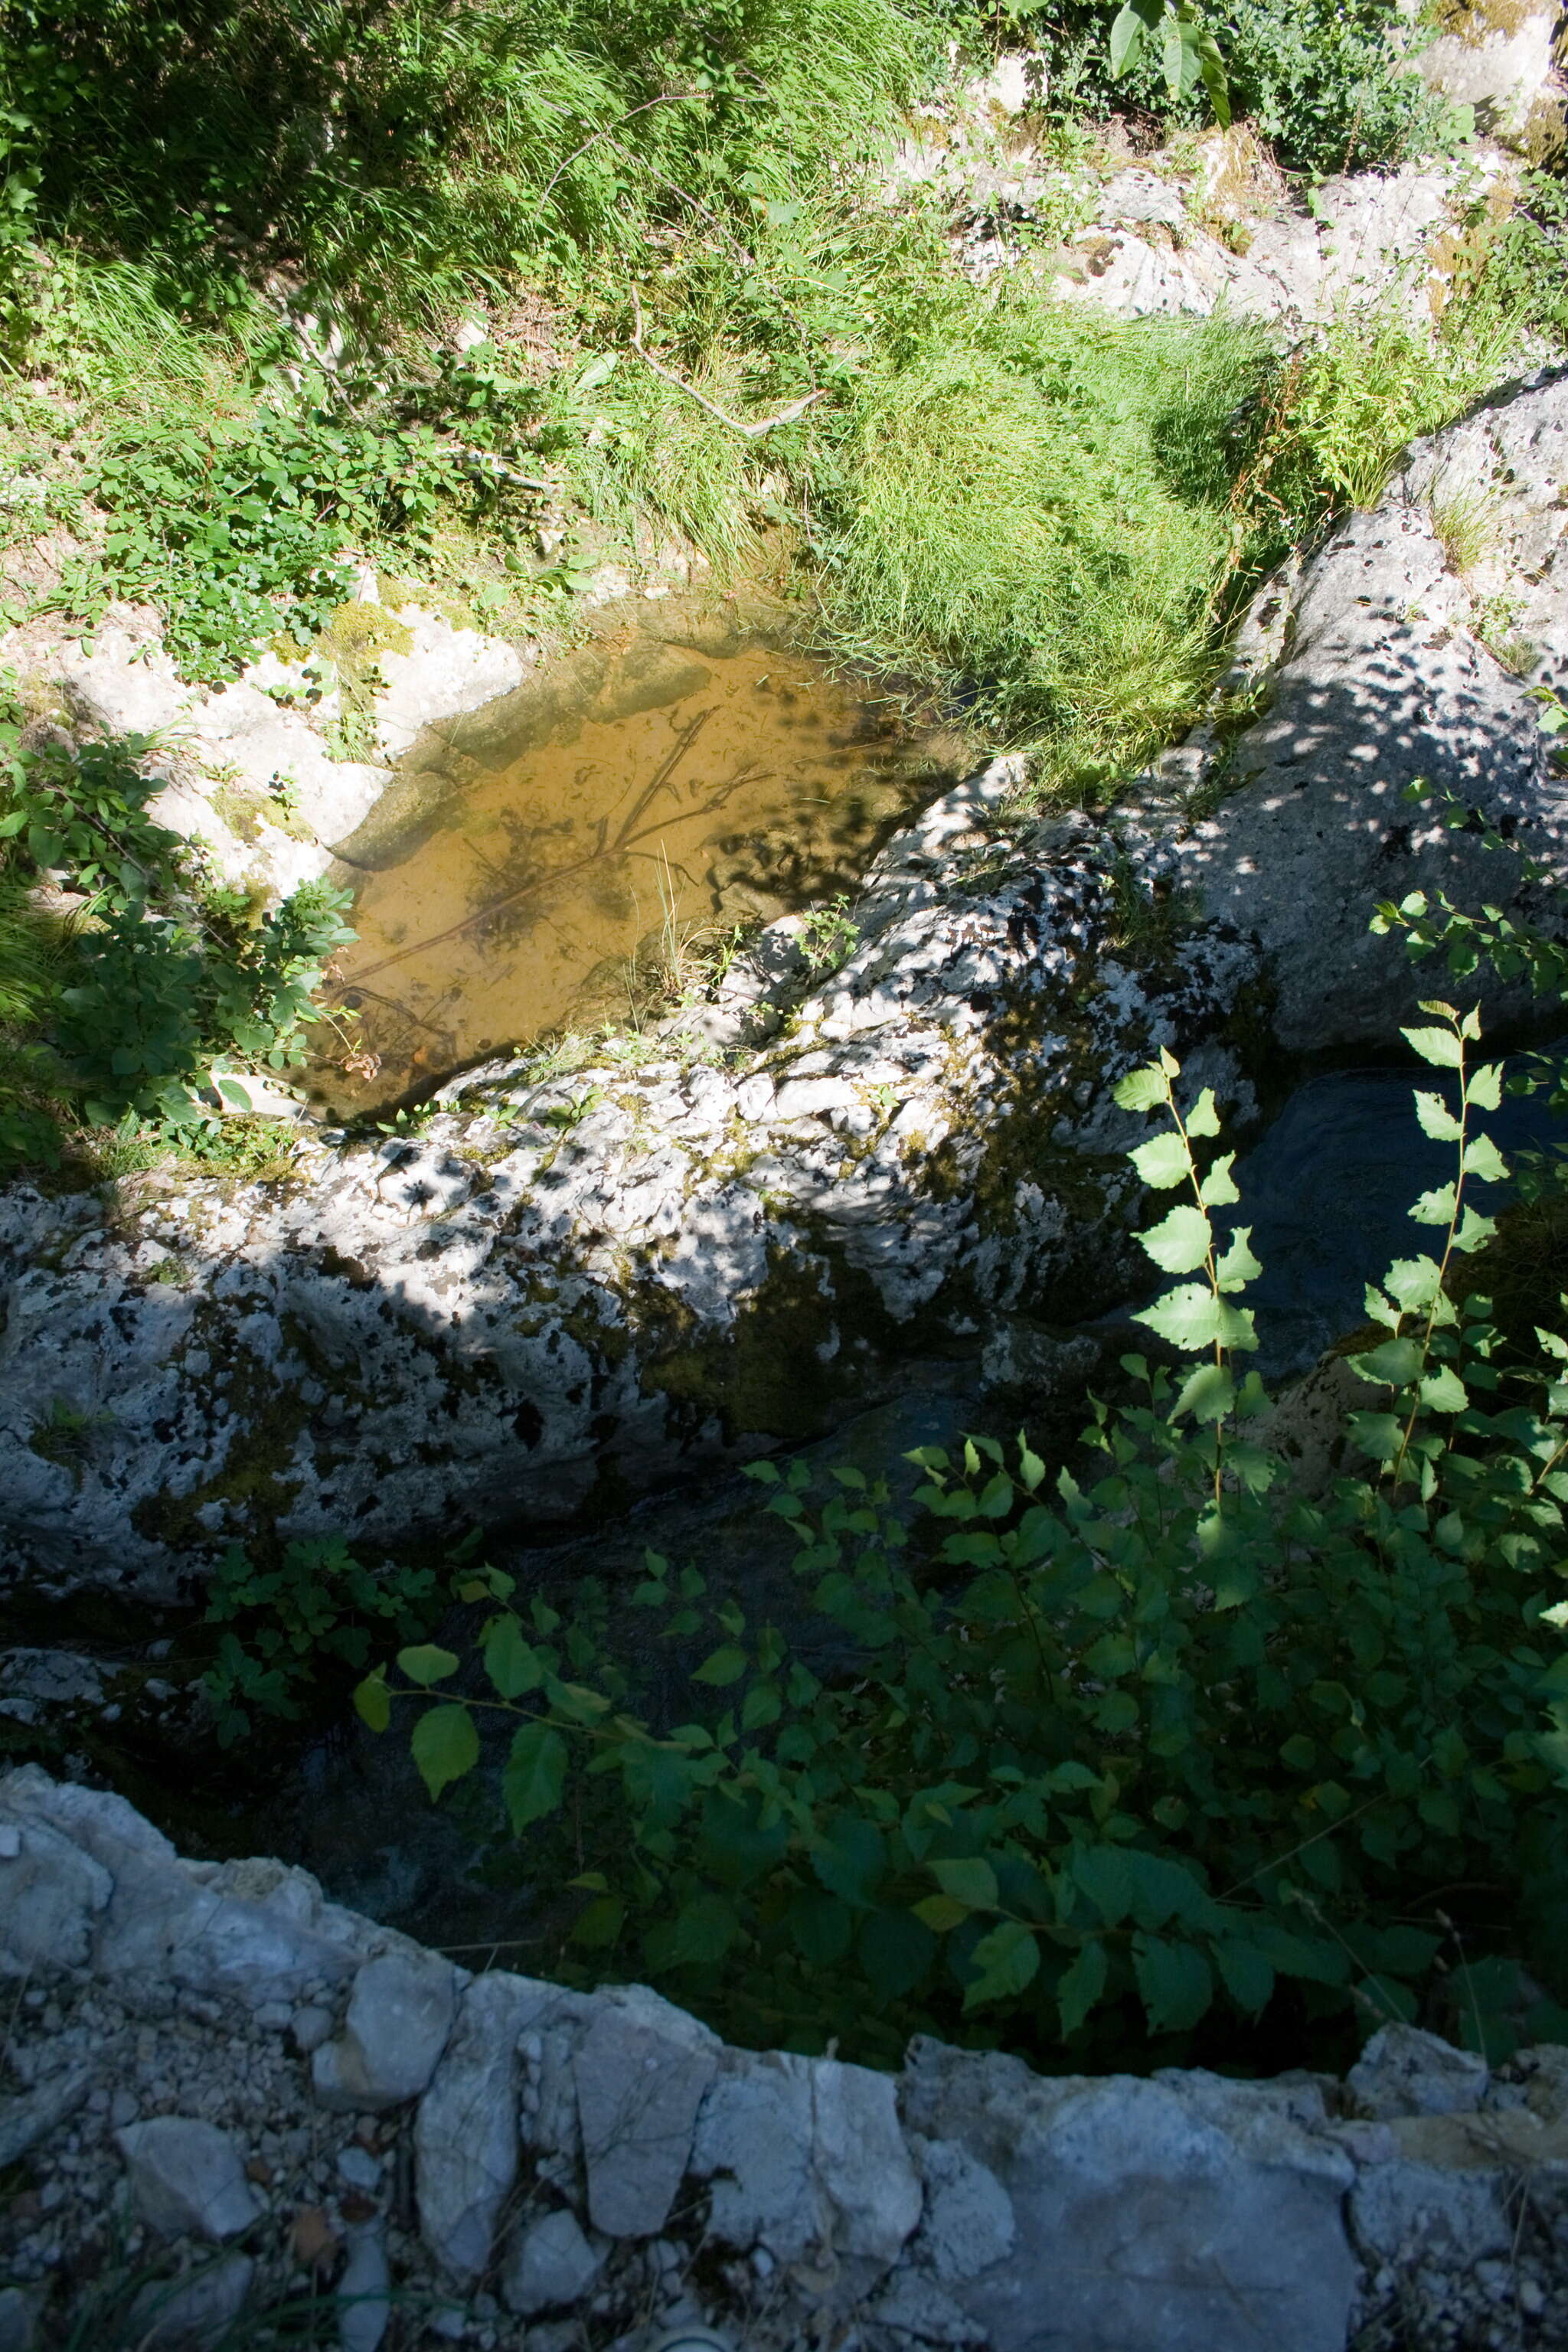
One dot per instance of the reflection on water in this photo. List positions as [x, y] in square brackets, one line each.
[1328, 1193]
[547, 886]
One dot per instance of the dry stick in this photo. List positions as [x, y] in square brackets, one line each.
[747, 431]
[543, 881]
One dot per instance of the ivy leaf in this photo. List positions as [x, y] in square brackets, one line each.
[1008, 1960]
[445, 1746]
[1179, 1242]
[1082, 1985]
[372, 1703]
[536, 1775]
[426, 1665]
[1175, 1981]
[512, 1664]
[1437, 1045]
[1162, 1161]
[969, 1881]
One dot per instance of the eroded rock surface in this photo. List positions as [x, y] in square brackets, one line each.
[650, 1262]
[1409, 650]
[786, 2200]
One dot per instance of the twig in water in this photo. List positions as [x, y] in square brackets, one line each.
[749, 432]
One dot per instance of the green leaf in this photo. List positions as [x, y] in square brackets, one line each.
[445, 1746]
[1434, 1208]
[1219, 1190]
[1247, 1976]
[427, 1664]
[372, 1702]
[1238, 1267]
[969, 1881]
[726, 1665]
[1144, 1089]
[1437, 1045]
[702, 1932]
[821, 1926]
[1208, 1394]
[1444, 1392]
[1191, 1317]
[941, 1913]
[536, 1775]
[1127, 30]
[1483, 1087]
[1081, 1985]
[1204, 1116]
[1175, 1981]
[1435, 1118]
[851, 1859]
[1179, 1242]
[512, 1664]
[896, 1951]
[1007, 1959]
[1484, 1161]
[1162, 1161]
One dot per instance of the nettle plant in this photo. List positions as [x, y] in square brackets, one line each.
[1181, 1738]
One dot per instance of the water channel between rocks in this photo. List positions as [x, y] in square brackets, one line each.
[560, 861]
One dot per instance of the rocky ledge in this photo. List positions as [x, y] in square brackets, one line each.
[226, 2093]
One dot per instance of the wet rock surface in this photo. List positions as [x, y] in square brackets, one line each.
[602, 2166]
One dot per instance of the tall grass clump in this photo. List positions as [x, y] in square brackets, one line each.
[1041, 508]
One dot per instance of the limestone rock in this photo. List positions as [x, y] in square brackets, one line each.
[187, 2178]
[365, 2302]
[639, 2086]
[465, 2132]
[1403, 2071]
[1142, 2225]
[40, 2111]
[400, 2013]
[967, 2223]
[552, 2266]
[1388, 679]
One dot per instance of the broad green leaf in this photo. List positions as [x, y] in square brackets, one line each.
[1434, 1208]
[1219, 1190]
[445, 1746]
[1127, 30]
[896, 1951]
[536, 1775]
[702, 1932]
[1484, 1161]
[426, 1665]
[1179, 1242]
[1483, 1087]
[1143, 1090]
[1175, 1981]
[371, 1702]
[1414, 1282]
[1435, 1118]
[599, 1923]
[1393, 1361]
[1081, 1985]
[1204, 1116]
[1162, 1161]
[969, 1881]
[1247, 1976]
[1437, 1045]
[1208, 1394]
[1191, 1317]
[821, 1926]
[761, 1706]
[1444, 1391]
[1238, 1267]
[1211, 65]
[512, 1664]
[942, 1912]
[1008, 1960]
[726, 1665]
[1102, 1871]
[851, 1859]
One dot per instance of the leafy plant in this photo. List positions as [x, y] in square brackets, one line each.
[318, 1604]
[1188, 51]
[1178, 1739]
